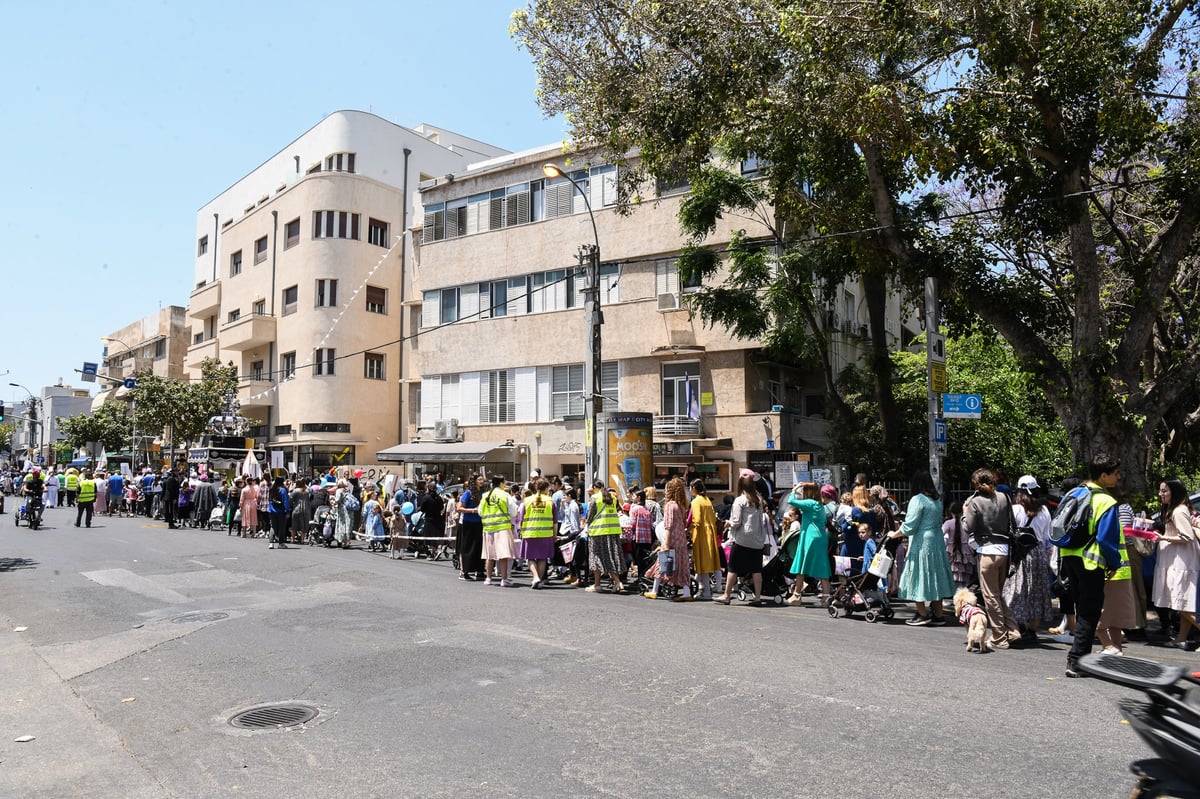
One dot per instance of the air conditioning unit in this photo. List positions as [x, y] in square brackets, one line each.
[445, 430]
[848, 327]
[668, 302]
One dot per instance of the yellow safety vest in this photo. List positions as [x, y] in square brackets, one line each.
[72, 482]
[493, 511]
[1093, 558]
[538, 522]
[606, 521]
[87, 491]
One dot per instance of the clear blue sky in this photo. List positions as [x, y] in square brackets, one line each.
[124, 118]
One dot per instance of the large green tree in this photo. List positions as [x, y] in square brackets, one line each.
[108, 426]
[1067, 129]
[184, 407]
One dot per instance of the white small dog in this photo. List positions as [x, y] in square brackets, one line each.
[966, 608]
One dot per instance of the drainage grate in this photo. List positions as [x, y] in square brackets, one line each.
[196, 618]
[273, 717]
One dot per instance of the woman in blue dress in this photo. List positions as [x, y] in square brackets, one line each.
[927, 577]
[812, 553]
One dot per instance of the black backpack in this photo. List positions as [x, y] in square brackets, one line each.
[1073, 519]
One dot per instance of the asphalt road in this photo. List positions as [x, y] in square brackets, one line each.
[430, 687]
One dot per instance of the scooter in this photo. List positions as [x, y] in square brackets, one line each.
[1169, 721]
[31, 512]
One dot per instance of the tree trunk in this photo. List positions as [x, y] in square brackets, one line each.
[875, 295]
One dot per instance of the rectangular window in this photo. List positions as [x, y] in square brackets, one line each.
[291, 232]
[335, 225]
[497, 396]
[377, 233]
[324, 427]
[160, 348]
[376, 300]
[260, 308]
[287, 366]
[257, 371]
[290, 295]
[566, 391]
[430, 305]
[323, 360]
[260, 250]
[518, 296]
[373, 366]
[603, 185]
[493, 299]
[234, 315]
[340, 162]
[449, 306]
[434, 227]
[326, 293]
[235, 264]
[681, 389]
[202, 246]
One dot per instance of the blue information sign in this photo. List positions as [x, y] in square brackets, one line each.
[962, 406]
[939, 431]
[129, 382]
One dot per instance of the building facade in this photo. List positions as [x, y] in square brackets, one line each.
[501, 338]
[299, 282]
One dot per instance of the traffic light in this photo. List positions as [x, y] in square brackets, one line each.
[2, 409]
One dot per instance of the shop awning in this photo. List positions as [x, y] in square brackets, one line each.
[454, 452]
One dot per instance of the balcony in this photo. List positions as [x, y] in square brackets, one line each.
[255, 393]
[248, 332]
[202, 348]
[205, 301]
[669, 426]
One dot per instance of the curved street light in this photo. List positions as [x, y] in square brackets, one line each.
[132, 404]
[32, 419]
[591, 372]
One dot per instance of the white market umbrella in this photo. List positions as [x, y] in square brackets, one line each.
[251, 465]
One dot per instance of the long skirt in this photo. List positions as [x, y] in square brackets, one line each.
[605, 554]
[1028, 591]
[470, 547]
[499, 545]
[677, 542]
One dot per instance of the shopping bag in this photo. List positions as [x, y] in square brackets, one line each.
[568, 551]
[841, 565]
[666, 563]
[881, 564]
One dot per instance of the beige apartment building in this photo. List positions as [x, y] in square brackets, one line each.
[157, 344]
[494, 373]
[299, 281]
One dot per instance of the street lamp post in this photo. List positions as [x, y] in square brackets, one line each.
[35, 440]
[132, 404]
[592, 380]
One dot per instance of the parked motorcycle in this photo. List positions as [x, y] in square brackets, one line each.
[1168, 720]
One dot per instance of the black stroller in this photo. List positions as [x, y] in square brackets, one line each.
[861, 593]
[320, 528]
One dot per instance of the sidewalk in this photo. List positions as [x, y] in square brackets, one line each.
[74, 754]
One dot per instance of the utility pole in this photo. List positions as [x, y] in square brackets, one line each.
[935, 348]
[589, 258]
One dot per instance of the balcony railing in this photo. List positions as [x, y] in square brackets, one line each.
[676, 426]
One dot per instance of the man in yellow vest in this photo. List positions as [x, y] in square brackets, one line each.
[1084, 569]
[86, 498]
[72, 487]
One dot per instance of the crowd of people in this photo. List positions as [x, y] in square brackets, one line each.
[674, 543]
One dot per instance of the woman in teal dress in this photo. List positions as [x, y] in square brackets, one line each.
[812, 553]
[927, 576]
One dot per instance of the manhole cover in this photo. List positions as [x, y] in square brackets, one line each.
[194, 618]
[272, 717]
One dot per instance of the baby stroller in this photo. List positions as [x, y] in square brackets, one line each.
[216, 519]
[320, 528]
[862, 593]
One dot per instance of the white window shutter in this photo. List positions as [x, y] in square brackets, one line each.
[431, 400]
[431, 304]
[468, 302]
[496, 213]
[451, 386]
[543, 394]
[427, 230]
[526, 394]
[468, 394]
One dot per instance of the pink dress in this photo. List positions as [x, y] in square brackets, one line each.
[249, 505]
[675, 520]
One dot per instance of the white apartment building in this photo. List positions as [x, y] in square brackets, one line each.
[299, 281]
[502, 337]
